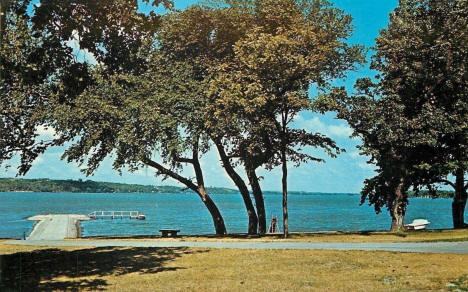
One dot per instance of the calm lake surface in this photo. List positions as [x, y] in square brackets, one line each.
[317, 212]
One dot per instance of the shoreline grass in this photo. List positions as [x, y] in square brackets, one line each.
[201, 269]
[433, 235]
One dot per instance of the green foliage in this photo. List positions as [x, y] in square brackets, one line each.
[461, 284]
[255, 96]
[142, 108]
[89, 186]
[113, 31]
[38, 68]
[289, 46]
[413, 120]
[430, 194]
[422, 58]
[29, 75]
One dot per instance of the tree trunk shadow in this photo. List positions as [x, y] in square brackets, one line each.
[82, 269]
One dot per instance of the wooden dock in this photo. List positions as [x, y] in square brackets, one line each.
[117, 215]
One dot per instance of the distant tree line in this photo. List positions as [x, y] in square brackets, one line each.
[432, 194]
[89, 186]
[232, 76]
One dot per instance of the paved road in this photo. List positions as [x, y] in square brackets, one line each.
[55, 226]
[422, 247]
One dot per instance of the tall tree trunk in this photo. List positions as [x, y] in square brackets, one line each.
[285, 192]
[200, 190]
[398, 209]
[244, 191]
[284, 164]
[258, 196]
[459, 200]
[218, 220]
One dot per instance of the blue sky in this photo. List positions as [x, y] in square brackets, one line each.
[343, 174]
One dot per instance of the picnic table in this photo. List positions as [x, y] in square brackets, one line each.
[169, 232]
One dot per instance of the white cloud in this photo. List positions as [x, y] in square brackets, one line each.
[354, 154]
[145, 172]
[341, 130]
[314, 124]
[38, 160]
[46, 131]
[214, 173]
[82, 55]
[366, 166]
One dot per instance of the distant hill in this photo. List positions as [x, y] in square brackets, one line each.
[89, 186]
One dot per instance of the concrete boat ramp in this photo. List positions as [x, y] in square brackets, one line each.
[56, 226]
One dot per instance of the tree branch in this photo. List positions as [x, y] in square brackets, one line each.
[447, 182]
[196, 164]
[184, 160]
[170, 173]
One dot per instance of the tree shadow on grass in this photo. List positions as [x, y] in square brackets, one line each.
[55, 269]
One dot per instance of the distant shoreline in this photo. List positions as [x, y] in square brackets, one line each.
[19, 185]
[89, 186]
[268, 193]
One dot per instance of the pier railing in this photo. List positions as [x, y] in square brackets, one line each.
[117, 215]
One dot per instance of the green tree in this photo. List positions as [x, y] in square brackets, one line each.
[137, 118]
[394, 138]
[37, 63]
[292, 45]
[202, 37]
[31, 63]
[413, 122]
[422, 57]
[113, 32]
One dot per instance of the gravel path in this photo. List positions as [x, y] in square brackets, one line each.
[55, 226]
[422, 247]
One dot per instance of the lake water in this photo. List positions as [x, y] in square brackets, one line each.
[317, 212]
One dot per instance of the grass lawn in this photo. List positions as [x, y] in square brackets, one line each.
[183, 269]
[332, 236]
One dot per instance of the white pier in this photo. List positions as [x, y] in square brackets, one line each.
[117, 215]
[56, 226]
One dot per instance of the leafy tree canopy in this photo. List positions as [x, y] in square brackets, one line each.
[413, 121]
[290, 46]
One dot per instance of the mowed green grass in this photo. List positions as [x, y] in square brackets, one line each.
[184, 269]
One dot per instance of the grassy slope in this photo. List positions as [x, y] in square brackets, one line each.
[176, 269]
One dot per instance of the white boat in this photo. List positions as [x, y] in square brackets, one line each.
[417, 224]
